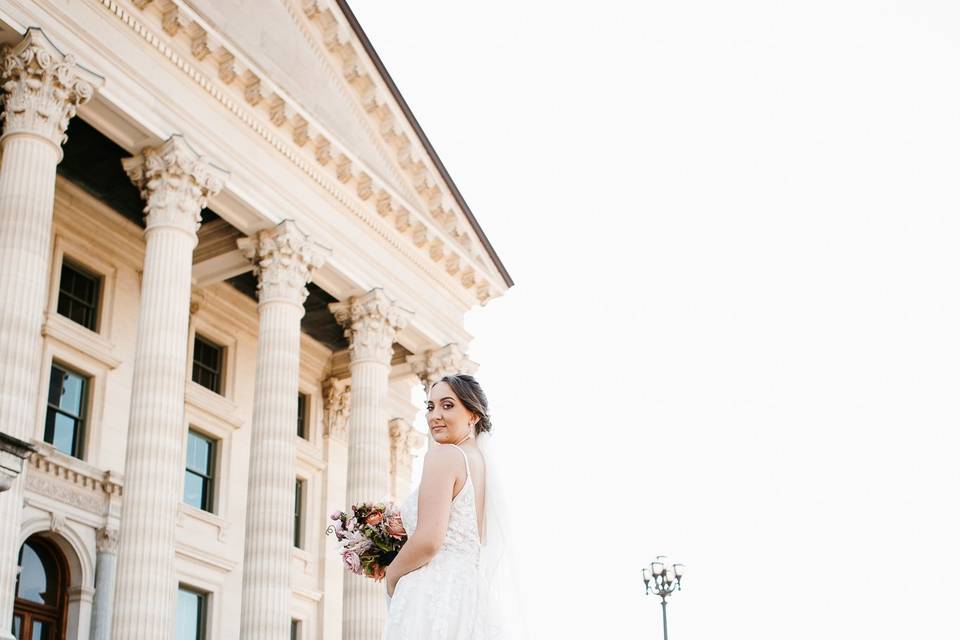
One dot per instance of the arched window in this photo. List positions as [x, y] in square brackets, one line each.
[41, 602]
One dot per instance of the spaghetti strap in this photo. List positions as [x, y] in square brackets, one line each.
[466, 460]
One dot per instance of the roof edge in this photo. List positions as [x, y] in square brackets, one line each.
[405, 108]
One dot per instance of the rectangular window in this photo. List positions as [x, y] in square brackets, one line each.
[294, 629]
[79, 295]
[191, 614]
[66, 411]
[198, 482]
[207, 364]
[302, 415]
[298, 514]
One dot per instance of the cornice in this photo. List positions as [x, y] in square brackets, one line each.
[432, 241]
[327, 31]
[331, 27]
[385, 118]
[66, 479]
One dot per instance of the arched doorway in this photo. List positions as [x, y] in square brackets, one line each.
[40, 608]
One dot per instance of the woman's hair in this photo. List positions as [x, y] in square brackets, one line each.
[468, 391]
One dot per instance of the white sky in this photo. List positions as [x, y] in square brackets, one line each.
[735, 334]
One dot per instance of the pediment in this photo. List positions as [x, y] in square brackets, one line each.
[270, 36]
[311, 77]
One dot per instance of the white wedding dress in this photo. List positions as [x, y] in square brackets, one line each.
[443, 599]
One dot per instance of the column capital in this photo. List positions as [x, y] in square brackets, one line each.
[108, 540]
[42, 89]
[371, 322]
[282, 259]
[404, 442]
[432, 365]
[176, 182]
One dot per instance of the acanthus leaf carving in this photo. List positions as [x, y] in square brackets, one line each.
[175, 181]
[108, 540]
[433, 365]
[42, 88]
[282, 260]
[371, 322]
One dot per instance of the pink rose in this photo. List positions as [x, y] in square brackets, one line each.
[374, 518]
[352, 561]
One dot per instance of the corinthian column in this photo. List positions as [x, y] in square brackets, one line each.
[282, 259]
[106, 574]
[41, 91]
[431, 366]
[176, 183]
[371, 322]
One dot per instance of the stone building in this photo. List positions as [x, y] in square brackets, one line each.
[227, 254]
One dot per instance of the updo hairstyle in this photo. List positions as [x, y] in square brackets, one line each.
[468, 391]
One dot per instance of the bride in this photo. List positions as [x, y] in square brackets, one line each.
[444, 582]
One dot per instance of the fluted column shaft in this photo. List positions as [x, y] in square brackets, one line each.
[42, 89]
[282, 259]
[106, 576]
[175, 183]
[372, 322]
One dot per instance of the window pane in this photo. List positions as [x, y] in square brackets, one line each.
[64, 432]
[32, 582]
[41, 630]
[194, 490]
[56, 386]
[207, 358]
[301, 415]
[79, 296]
[17, 624]
[71, 394]
[198, 453]
[297, 514]
[294, 630]
[198, 481]
[189, 615]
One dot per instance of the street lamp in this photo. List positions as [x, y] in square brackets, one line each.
[662, 580]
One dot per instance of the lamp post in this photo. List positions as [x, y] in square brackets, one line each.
[662, 580]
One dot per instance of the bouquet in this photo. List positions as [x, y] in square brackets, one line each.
[370, 538]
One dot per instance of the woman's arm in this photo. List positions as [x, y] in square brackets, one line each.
[441, 467]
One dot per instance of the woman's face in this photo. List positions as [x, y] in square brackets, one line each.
[448, 419]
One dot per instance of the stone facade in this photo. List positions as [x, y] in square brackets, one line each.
[303, 231]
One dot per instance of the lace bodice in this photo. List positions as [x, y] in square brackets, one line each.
[462, 537]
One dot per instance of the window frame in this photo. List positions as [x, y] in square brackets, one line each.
[219, 373]
[93, 259]
[210, 477]
[79, 268]
[299, 501]
[79, 445]
[203, 611]
[30, 611]
[303, 415]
